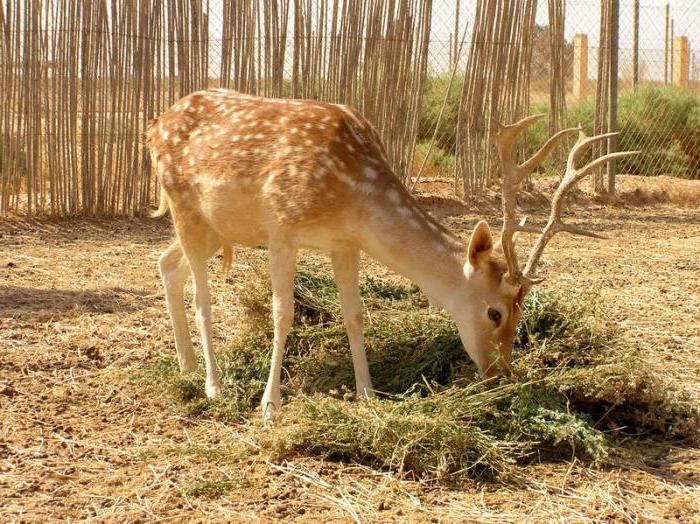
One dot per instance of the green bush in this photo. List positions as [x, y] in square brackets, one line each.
[661, 122]
[441, 162]
[433, 97]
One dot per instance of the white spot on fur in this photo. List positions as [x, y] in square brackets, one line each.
[345, 178]
[370, 173]
[394, 196]
[328, 162]
[366, 188]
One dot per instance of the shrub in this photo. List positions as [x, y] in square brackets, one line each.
[662, 122]
[440, 163]
[433, 97]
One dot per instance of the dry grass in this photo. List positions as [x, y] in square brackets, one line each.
[84, 436]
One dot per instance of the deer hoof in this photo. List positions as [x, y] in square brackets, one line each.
[188, 365]
[364, 392]
[213, 389]
[269, 411]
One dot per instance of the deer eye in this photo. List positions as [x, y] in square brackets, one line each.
[495, 316]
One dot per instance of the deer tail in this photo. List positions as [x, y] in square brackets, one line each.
[162, 206]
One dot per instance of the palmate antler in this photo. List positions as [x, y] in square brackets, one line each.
[513, 177]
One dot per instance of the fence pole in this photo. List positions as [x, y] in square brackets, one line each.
[612, 115]
[454, 56]
[680, 77]
[667, 16]
[635, 45]
[580, 66]
[671, 54]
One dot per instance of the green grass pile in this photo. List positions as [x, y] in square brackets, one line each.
[577, 391]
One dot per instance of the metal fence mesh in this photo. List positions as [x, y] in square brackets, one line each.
[81, 79]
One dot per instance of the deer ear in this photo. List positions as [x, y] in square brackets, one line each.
[480, 245]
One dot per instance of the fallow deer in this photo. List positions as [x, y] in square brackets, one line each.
[291, 174]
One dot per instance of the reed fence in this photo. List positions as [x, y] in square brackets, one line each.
[81, 78]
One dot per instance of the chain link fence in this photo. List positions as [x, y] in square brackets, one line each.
[82, 78]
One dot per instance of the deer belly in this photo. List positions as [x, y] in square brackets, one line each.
[238, 220]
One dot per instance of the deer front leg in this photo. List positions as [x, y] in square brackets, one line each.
[282, 264]
[346, 266]
[174, 270]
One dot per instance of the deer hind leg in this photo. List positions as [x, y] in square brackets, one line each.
[346, 266]
[174, 270]
[198, 244]
[282, 267]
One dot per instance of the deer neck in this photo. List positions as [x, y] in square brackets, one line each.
[420, 249]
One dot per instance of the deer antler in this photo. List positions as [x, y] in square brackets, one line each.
[514, 175]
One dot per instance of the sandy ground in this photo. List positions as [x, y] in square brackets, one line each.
[85, 434]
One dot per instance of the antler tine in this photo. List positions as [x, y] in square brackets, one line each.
[538, 158]
[513, 176]
[505, 138]
[572, 176]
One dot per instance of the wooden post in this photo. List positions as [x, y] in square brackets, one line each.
[580, 66]
[671, 53]
[680, 61]
[612, 115]
[635, 45]
[666, 42]
[456, 38]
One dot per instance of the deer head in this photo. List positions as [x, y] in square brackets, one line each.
[492, 269]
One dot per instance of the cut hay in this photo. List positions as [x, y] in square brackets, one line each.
[580, 390]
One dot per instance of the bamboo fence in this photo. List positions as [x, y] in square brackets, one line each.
[81, 78]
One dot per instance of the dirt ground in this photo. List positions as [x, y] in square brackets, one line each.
[85, 434]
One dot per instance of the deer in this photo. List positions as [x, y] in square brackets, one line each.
[238, 169]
